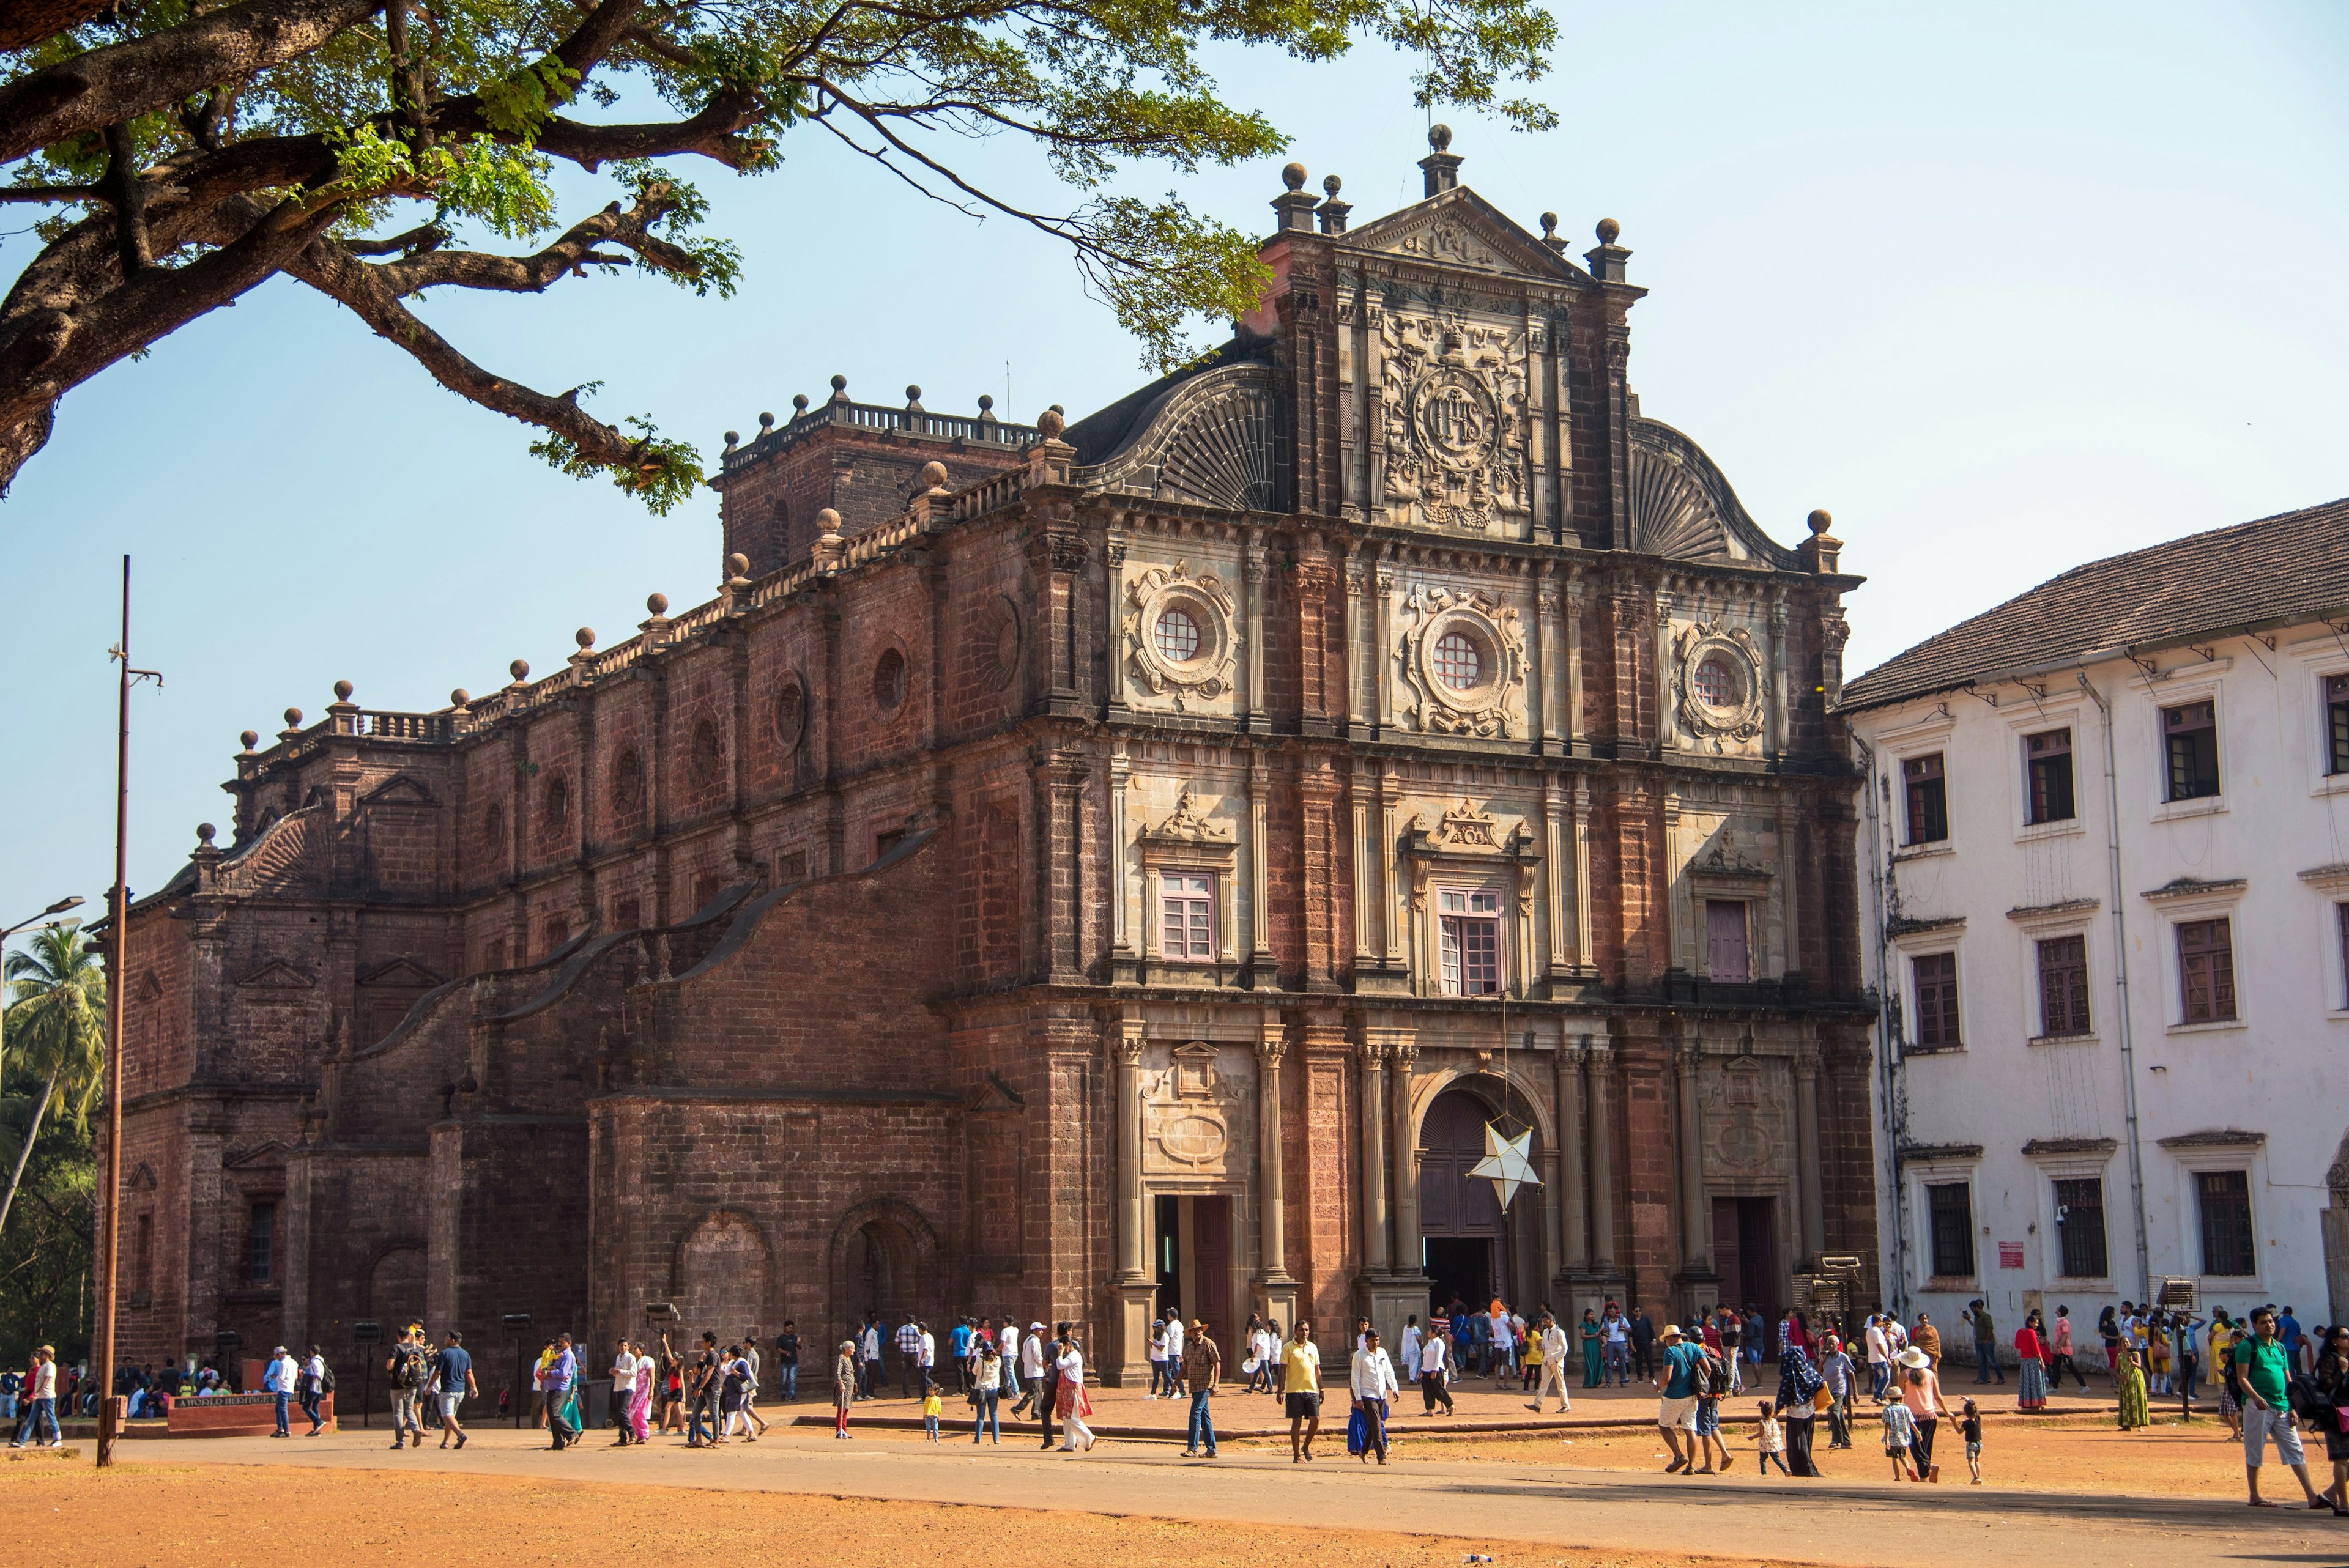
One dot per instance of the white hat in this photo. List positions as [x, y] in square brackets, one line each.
[1914, 1359]
[1037, 1327]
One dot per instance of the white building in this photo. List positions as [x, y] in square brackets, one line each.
[2107, 829]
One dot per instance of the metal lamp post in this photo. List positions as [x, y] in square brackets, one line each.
[517, 1323]
[366, 1334]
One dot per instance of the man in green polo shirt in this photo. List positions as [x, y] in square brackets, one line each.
[2265, 1368]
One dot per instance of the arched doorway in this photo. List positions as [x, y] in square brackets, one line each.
[1464, 1233]
[884, 1262]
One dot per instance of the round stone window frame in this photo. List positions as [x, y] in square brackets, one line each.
[1493, 661]
[1739, 721]
[892, 681]
[1206, 672]
[790, 731]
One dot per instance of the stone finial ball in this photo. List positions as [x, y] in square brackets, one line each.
[205, 831]
[584, 637]
[460, 698]
[1293, 176]
[518, 669]
[766, 421]
[1439, 136]
[840, 383]
[293, 718]
[733, 438]
[657, 604]
[827, 522]
[342, 691]
[251, 737]
[737, 564]
[934, 475]
[1819, 521]
[1607, 230]
[985, 401]
[1051, 423]
[798, 402]
[1549, 224]
[913, 393]
[1331, 185]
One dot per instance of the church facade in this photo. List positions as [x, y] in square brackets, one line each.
[1068, 870]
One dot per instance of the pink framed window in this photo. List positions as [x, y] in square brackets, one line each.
[1458, 663]
[1470, 929]
[1726, 954]
[1186, 915]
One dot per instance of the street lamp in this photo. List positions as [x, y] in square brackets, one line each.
[517, 1323]
[366, 1334]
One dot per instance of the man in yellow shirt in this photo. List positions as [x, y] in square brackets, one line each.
[1301, 1366]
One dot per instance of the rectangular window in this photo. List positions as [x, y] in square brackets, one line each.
[2048, 761]
[2336, 724]
[1950, 1205]
[2225, 1197]
[261, 1261]
[2080, 1221]
[1937, 1000]
[1471, 933]
[2205, 970]
[791, 868]
[627, 915]
[2190, 734]
[1928, 799]
[1726, 956]
[2064, 986]
[1187, 916]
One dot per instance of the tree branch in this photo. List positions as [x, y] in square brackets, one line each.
[93, 91]
[51, 194]
[369, 293]
[127, 192]
[629, 229]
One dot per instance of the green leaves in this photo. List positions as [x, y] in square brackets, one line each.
[658, 472]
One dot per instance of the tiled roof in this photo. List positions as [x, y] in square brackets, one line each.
[2292, 566]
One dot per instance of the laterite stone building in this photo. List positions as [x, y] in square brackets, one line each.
[1070, 869]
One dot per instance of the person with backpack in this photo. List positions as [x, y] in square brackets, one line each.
[407, 1372]
[317, 1382]
[733, 1396]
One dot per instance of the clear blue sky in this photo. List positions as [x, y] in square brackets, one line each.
[2006, 288]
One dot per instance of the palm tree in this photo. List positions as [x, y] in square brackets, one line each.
[57, 1022]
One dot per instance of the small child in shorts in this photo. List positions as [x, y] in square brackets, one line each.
[1969, 1423]
[1771, 1439]
[1899, 1433]
[933, 1406]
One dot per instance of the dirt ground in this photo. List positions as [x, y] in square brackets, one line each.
[145, 1515]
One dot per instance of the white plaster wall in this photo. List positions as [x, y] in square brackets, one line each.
[2276, 1071]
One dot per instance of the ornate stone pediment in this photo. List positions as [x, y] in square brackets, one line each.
[1186, 825]
[277, 974]
[1464, 826]
[1459, 229]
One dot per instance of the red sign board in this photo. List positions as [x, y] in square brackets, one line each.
[2009, 1255]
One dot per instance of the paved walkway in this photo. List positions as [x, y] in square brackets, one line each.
[1485, 1505]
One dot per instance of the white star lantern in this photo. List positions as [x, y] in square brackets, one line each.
[1507, 1163]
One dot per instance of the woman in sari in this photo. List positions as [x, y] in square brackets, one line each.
[2030, 1353]
[640, 1402]
[2128, 1375]
[1589, 1349]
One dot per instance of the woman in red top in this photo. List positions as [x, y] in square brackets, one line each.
[2031, 1350]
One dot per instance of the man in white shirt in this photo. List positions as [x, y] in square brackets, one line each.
[1374, 1385]
[624, 1392]
[929, 1357]
[1553, 1367]
[1032, 1366]
[1263, 1349]
[1433, 1372]
[1157, 1354]
[1410, 1338]
[278, 1379]
[1174, 1351]
[1879, 1357]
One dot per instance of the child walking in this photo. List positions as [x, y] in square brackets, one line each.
[933, 1406]
[1900, 1434]
[1771, 1438]
[1969, 1423]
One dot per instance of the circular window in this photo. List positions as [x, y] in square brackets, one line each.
[889, 680]
[791, 714]
[1178, 636]
[1459, 664]
[1717, 684]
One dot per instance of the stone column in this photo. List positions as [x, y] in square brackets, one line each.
[1582, 959]
[1668, 736]
[1790, 831]
[1382, 618]
[1807, 1152]
[1360, 709]
[1574, 591]
[1556, 916]
[1390, 947]
[1252, 558]
[1540, 710]
[1696, 1241]
[1778, 740]
[1113, 611]
[1374, 1158]
[1260, 958]
[1602, 1158]
[1402, 1058]
[1576, 1235]
[1133, 1236]
[1271, 1213]
[1365, 860]
[1120, 879]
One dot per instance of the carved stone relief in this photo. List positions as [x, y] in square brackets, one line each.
[1462, 661]
[1748, 1117]
[1717, 684]
[1181, 643]
[1196, 1111]
[1455, 419]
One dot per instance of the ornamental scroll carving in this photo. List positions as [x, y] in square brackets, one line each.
[1725, 703]
[1474, 685]
[1455, 419]
[1206, 674]
[1195, 1110]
